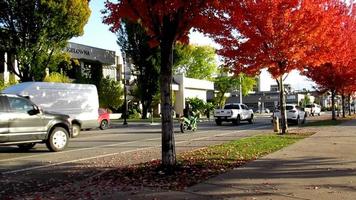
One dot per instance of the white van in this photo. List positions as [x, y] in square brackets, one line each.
[79, 101]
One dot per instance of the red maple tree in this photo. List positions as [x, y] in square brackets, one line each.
[166, 21]
[280, 35]
[337, 73]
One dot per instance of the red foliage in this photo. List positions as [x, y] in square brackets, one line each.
[280, 35]
[154, 15]
[338, 72]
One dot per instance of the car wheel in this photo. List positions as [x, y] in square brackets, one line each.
[218, 122]
[76, 130]
[298, 121]
[237, 120]
[58, 139]
[251, 120]
[26, 147]
[104, 124]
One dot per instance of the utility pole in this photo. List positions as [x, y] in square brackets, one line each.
[124, 58]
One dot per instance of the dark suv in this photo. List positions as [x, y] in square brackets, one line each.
[23, 124]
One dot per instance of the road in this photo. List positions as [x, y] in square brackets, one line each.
[96, 151]
[120, 139]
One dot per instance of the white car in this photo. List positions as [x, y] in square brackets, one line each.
[294, 114]
[233, 112]
[313, 109]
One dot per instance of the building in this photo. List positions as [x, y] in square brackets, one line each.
[88, 57]
[287, 88]
[260, 101]
[184, 88]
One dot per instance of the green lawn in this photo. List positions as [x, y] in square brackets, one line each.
[240, 150]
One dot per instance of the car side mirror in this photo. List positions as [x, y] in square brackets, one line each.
[34, 111]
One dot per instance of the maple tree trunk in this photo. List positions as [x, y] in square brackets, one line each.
[343, 105]
[333, 105]
[282, 100]
[168, 144]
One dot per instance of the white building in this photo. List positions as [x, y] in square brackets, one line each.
[184, 88]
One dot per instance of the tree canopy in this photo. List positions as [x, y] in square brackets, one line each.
[34, 31]
[195, 61]
[280, 35]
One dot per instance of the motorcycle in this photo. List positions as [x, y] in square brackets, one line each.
[188, 124]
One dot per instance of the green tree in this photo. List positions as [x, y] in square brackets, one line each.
[195, 61]
[110, 94]
[225, 84]
[133, 40]
[35, 31]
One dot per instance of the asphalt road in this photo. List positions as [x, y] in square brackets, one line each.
[116, 140]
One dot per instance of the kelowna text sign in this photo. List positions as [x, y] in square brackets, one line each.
[78, 51]
[88, 53]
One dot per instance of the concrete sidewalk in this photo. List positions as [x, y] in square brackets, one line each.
[322, 166]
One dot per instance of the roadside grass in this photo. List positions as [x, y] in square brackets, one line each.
[196, 166]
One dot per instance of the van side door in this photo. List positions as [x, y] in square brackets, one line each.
[4, 120]
[22, 124]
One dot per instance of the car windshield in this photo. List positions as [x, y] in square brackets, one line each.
[289, 107]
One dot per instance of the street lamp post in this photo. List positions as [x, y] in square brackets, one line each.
[124, 58]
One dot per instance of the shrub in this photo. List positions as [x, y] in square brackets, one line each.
[57, 78]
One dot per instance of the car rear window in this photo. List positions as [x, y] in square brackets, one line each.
[231, 106]
[289, 107]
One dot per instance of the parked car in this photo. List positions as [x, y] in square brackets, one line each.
[79, 101]
[313, 109]
[233, 112]
[24, 124]
[104, 119]
[294, 114]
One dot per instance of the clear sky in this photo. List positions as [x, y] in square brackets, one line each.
[97, 34]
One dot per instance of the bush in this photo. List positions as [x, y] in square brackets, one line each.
[134, 114]
[57, 78]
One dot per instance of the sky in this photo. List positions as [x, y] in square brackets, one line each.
[97, 34]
